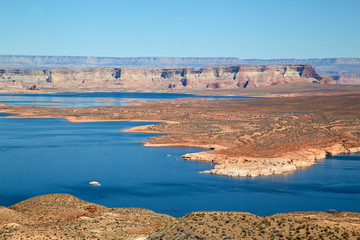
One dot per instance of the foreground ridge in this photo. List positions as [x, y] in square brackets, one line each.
[63, 216]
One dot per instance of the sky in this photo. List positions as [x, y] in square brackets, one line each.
[246, 29]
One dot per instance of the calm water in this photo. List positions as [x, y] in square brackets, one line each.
[41, 156]
[66, 100]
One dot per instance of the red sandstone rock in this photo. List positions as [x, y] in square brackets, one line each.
[228, 77]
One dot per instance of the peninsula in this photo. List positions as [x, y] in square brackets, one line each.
[243, 137]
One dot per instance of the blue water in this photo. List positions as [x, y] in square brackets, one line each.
[42, 156]
[69, 100]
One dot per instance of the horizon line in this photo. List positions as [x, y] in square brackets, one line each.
[25, 55]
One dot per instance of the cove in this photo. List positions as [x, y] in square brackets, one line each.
[42, 156]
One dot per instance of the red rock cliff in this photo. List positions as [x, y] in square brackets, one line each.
[237, 76]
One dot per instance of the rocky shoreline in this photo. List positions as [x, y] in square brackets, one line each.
[252, 167]
[243, 166]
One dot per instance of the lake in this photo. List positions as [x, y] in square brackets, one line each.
[42, 156]
[95, 99]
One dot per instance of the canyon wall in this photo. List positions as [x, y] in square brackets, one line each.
[322, 65]
[341, 70]
[228, 77]
[344, 79]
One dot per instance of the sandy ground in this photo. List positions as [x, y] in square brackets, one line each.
[62, 216]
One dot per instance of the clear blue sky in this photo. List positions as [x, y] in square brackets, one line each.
[181, 28]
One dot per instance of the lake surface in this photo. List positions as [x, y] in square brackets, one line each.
[42, 156]
[105, 99]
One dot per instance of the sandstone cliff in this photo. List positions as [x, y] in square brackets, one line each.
[345, 79]
[228, 77]
[322, 65]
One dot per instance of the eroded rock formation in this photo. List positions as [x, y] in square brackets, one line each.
[322, 65]
[226, 77]
[345, 79]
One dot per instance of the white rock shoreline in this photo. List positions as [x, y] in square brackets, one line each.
[251, 167]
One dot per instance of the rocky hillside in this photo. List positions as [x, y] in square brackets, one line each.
[62, 216]
[241, 225]
[118, 79]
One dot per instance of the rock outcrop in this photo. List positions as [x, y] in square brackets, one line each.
[226, 77]
[271, 166]
[322, 65]
[345, 79]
